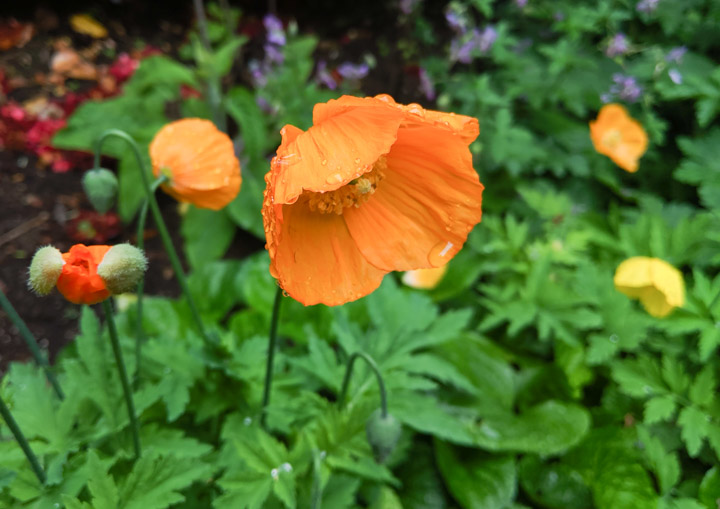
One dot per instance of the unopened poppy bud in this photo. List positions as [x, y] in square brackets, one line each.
[122, 267]
[45, 269]
[383, 434]
[101, 187]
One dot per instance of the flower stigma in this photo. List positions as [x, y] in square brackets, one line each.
[353, 194]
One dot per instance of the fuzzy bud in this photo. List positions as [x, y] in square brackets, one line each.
[45, 270]
[383, 434]
[101, 187]
[122, 267]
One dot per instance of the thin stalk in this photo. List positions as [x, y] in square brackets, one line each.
[159, 222]
[140, 242]
[272, 340]
[213, 81]
[22, 441]
[115, 341]
[381, 384]
[316, 497]
[30, 342]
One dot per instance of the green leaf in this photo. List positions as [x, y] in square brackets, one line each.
[710, 488]
[241, 105]
[694, 428]
[244, 490]
[155, 482]
[477, 479]
[553, 484]
[665, 464]
[702, 389]
[548, 428]
[101, 485]
[246, 208]
[659, 408]
[207, 235]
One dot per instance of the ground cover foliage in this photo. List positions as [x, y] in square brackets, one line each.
[523, 379]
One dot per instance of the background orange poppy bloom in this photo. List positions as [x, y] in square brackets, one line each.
[199, 161]
[618, 136]
[79, 281]
[371, 187]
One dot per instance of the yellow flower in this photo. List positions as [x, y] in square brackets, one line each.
[658, 285]
[424, 279]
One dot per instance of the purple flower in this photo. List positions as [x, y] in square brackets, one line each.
[619, 45]
[407, 6]
[323, 76]
[273, 54]
[647, 6]
[426, 84]
[521, 3]
[676, 55]
[675, 76]
[626, 88]
[559, 16]
[353, 71]
[264, 105]
[274, 28]
[456, 19]
[258, 72]
[486, 39]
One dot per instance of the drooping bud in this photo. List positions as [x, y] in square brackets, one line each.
[383, 434]
[122, 267]
[101, 187]
[45, 269]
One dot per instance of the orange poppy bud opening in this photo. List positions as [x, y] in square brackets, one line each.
[79, 281]
[199, 161]
[372, 187]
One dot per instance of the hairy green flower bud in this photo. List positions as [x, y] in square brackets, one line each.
[101, 187]
[122, 267]
[383, 434]
[45, 270]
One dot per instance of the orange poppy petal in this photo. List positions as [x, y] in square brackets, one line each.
[79, 282]
[466, 127]
[316, 260]
[423, 210]
[213, 199]
[341, 147]
[620, 137]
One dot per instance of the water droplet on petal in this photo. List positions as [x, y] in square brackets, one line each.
[275, 474]
[324, 162]
[335, 178]
[441, 253]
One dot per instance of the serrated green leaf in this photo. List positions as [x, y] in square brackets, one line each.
[694, 428]
[702, 389]
[709, 492]
[477, 479]
[659, 408]
[244, 490]
[101, 485]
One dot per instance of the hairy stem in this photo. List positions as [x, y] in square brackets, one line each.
[348, 373]
[22, 441]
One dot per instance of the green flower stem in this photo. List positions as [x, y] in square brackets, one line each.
[30, 342]
[214, 88]
[272, 339]
[140, 242]
[115, 341]
[348, 373]
[316, 497]
[22, 441]
[159, 222]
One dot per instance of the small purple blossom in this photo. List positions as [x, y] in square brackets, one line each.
[353, 71]
[273, 54]
[521, 3]
[323, 76]
[274, 28]
[426, 84]
[606, 98]
[559, 16]
[264, 105]
[626, 88]
[408, 6]
[676, 55]
[647, 6]
[457, 19]
[480, 42]
[486, 39]
[618, 45]
[675, 76]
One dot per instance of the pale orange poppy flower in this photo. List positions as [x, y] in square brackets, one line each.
[424, 279]
[372, 187]
[619, 136]
[199, 161]
[658, 285]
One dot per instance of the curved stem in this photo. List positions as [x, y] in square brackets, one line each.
[272, 339]
[114, 340]
[316, 497]
[140, 242]
[381, 384]
[30, 342]
[22, 441]
[159, 222]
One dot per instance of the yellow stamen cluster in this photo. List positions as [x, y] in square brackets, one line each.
[353, 194]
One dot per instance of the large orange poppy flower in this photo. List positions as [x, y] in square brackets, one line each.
[199, 161]
[619, 136]
[372, 187]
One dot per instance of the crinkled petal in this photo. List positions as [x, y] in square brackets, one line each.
[343, 145]
[316, 260]
[424, 209]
